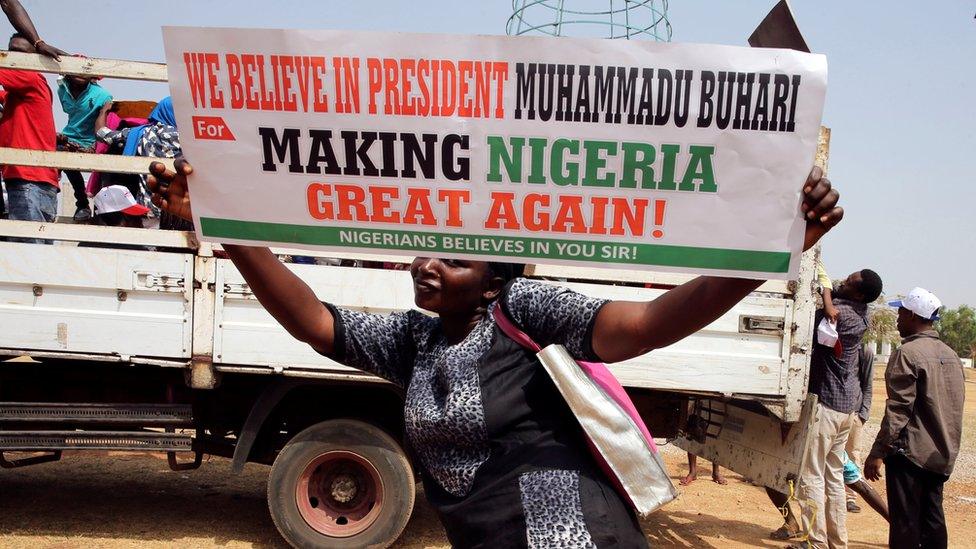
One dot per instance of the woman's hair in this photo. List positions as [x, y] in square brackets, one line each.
[506, 271]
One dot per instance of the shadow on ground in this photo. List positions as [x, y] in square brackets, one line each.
[136, 498]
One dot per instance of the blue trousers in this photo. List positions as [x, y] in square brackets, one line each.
[32, 201]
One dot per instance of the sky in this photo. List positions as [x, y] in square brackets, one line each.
[900, 100]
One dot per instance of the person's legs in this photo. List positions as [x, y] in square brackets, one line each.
[78, 186]
[717, 475]
[31, 201]
[790, 525]
[810, 491]
[932, 518]
[835, 508]
[852, 474]
[871, 497]
[692, 470]
[852, 447]
[904, 495]
[853, 451]
[82, 207]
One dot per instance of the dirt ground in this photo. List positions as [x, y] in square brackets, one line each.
[121, 500]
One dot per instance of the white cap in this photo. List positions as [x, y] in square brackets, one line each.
[116, 198]
[921, 302]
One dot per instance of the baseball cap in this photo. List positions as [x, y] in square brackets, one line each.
[116, 198]
[921, 302]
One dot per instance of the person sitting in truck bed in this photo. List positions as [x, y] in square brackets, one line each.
[158, 138]
[501, 455]
[116, 207]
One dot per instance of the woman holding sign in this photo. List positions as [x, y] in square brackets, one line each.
[504, 461]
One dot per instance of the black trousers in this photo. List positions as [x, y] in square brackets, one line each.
[915, 504]
[78, 186]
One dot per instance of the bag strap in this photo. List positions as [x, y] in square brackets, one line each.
[512, 331]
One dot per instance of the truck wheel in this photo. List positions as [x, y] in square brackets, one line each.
[341, 483]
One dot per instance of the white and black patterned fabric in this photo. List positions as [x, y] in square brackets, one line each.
[157, 141]
[553, 512]
[482, 415]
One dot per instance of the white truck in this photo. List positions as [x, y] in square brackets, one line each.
[107, 347]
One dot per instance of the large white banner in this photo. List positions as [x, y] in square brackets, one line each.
[612, 153]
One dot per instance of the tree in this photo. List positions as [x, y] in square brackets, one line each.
[957, 328]
[882, 325]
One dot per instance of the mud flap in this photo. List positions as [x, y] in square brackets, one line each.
[758, 446]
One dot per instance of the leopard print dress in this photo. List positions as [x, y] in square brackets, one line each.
[503, 459]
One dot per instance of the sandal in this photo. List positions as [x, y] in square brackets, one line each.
[784, 534]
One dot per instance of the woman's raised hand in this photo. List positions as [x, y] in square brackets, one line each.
[819, 207]
[169, 189]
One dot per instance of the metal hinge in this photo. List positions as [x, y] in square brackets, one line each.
[238, 289]
[761, 325]
[159, 282]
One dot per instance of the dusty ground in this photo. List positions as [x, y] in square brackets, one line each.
[116, 500]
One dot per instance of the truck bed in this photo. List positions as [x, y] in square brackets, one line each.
[173, 308]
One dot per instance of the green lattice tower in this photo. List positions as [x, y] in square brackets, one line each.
[637, 19]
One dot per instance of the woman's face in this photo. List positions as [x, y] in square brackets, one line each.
[452, 286]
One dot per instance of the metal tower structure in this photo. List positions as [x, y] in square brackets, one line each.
[637, 19]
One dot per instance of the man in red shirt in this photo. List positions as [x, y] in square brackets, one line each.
[28, 123]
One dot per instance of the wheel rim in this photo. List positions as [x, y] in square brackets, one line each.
[339, 494]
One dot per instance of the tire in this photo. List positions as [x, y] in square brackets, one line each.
[341, 483]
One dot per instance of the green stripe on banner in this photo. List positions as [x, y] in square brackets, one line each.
[503, 246]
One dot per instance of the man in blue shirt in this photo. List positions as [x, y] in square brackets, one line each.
[82, 100]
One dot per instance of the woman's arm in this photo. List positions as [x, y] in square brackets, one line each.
[286, 296]
[289, 299]
[626, 329]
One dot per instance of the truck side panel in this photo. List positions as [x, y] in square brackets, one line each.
[95, 301]
[725, 357]
[246, 334]
[728, 357]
